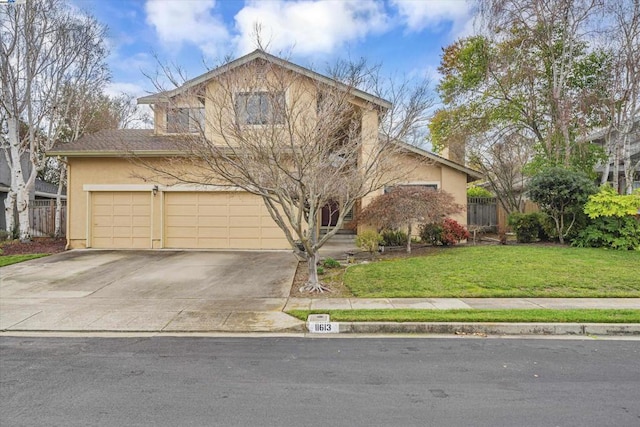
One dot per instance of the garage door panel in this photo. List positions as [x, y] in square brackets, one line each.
[218, 220]
[213, 232]
[120, 220]
[212, 221]
[245, 232]
[178, 210]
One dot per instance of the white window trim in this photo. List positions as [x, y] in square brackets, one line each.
[431, 183]
[192, 119]
[285, 94]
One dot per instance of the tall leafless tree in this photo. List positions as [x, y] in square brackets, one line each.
[300, 143]
[45, 47]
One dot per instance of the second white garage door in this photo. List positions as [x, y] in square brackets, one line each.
[219, 220]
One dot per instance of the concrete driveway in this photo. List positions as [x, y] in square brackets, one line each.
[149, 291]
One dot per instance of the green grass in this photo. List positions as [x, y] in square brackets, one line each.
[14, 259]
[495, 316]
[501, 271]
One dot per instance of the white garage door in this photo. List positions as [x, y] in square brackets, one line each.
[219, 220]
[121, 220]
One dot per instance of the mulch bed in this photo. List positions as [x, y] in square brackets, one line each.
[39, 245]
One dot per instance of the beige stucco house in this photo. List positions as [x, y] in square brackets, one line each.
[114, 202]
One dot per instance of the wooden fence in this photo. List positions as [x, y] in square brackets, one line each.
[42, 214]
[487, 213]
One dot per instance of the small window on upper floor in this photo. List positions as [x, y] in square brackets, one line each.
[260, 108]
[185, 120]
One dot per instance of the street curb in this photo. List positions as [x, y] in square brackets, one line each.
[463, 328]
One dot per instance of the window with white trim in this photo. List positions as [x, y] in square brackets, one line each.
[260, 108]
[433, 186]
[185, 120]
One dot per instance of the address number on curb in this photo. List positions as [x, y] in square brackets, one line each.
[324, 327]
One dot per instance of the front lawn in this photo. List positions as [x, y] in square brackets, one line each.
[14, 259]
[500, 316]
[501, 271]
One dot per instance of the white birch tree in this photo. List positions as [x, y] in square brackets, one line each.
[621, 105]
[45, 47]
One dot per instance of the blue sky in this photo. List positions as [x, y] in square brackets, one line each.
[405, 36]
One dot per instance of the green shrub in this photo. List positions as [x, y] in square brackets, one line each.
[330, 263]
[478, 192]
[622, 233]
[320, 270]
[4, 235]
[612, 223]
[561, 194]
[394, 238]
[430, 233]
[526, 226]
[368, 240]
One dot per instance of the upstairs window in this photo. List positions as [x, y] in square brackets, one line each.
[185, 120]
[260, 108]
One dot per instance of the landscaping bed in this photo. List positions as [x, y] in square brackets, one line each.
[14, 251]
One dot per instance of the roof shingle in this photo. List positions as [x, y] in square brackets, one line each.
[122, 141]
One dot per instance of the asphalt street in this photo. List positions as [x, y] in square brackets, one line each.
[295, 381]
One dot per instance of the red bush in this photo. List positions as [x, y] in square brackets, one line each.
[452, 232]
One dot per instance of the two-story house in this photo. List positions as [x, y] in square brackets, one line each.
[115, 202]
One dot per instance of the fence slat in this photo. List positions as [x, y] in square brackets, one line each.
[482, 212]
[42, 215]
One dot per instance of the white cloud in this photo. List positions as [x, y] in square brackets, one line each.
[178, 22]
[418, 15]
[309, 26]
[118, 88]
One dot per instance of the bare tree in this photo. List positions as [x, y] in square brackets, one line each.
[405, 206]
[45, 47]
[299, 140]
[621, 104]
[502, 160]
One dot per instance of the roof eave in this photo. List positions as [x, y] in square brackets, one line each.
[116, 153]
[472, 174]
[165, 96]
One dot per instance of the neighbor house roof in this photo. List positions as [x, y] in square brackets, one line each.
[143, 142]
[259, 54]
[472, 174]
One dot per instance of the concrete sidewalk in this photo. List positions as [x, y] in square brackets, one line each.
[459, 303]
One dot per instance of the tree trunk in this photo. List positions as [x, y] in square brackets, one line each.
[9, 212]
[409, 239]
[18, 196]
[58, 220]
[607, 165]
[23, 214]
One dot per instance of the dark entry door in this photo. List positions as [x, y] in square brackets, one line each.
[330, 215]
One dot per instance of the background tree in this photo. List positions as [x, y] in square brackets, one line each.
[403, 206]
[561, 194]
[320, 145]
[523, 94]
[45, 48]
[90, 112]
[619, 100]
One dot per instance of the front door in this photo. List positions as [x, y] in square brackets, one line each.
[330, 215]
